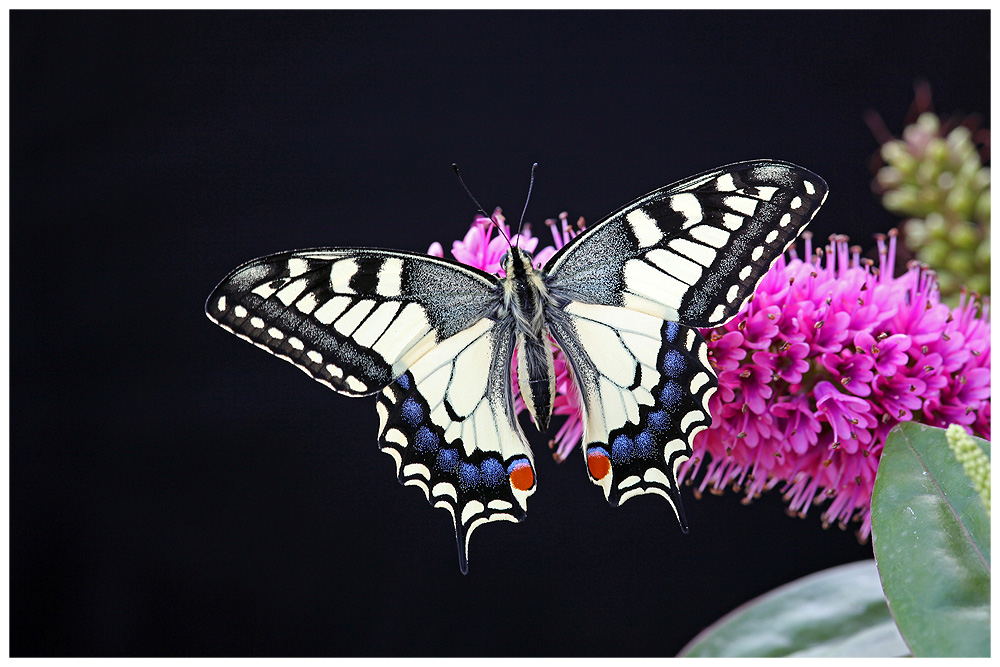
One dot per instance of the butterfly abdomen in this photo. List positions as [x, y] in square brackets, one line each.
[536, 377]
[526, 297]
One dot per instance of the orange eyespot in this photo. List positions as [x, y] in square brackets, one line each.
[598, 463]
[522, 477]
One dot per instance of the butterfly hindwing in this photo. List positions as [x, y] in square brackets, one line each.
[448, 423]
[644, 384]
[694, 251]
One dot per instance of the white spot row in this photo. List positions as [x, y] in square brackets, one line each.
[353, 383]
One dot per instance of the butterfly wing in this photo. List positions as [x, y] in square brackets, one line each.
[420, 330]
[449, 424]
[645, 385]
[692, 252]
[632, 287]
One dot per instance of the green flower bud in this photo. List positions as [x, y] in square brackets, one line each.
[901, 200]
[979, 283]
[915, 233]
[982, 212]
[936, 154]
[935, 253]
[936, 226]
[961, 201]
[889, 178]
[928, 123]
[959, 263]
[981, 179]
[959, 138]
[983, 253]
[965, 236]
[896, 153]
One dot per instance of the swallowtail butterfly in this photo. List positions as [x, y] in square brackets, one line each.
[434, 339]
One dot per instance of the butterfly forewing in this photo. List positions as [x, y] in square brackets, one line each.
[353, 319]
[694, 251]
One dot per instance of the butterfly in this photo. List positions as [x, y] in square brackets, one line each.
[435, 340]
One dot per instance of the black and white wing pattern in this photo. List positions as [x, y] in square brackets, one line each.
[631, 289]
[692, 252]
[417, 331]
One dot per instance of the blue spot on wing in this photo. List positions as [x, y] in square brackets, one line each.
[493, 472]
[645, 444]
[404, 381]
[622, 450]
[412, 412]
[468, 476]
[661, 420]
[671, 395]
[426, 440]
[447, 460]
[670, 331]
[674, 364]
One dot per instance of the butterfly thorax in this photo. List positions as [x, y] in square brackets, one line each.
[526, 297]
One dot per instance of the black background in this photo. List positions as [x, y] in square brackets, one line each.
[176, 492]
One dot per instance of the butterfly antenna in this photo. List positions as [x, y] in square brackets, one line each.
[454, 168]
[527, 199]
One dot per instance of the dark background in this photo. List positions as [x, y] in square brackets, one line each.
[174, 491]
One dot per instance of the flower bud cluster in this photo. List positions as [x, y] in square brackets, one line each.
[937, 177]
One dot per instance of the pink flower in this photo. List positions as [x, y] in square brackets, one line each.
[481, 249]
[830, 353]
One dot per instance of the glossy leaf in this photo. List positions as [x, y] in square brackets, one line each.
[836, 612]
[931, 536]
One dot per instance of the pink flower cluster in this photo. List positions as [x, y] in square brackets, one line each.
[828, 355]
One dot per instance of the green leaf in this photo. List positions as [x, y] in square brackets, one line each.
[932, 544]
[837, 612]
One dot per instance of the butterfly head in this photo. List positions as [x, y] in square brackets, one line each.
[517, 262]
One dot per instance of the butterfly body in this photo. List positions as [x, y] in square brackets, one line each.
[526, 299]
[620, 304]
